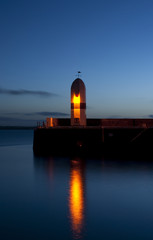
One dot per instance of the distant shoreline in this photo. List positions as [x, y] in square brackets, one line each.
[16, 128]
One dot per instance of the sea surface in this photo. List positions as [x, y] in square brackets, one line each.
[46, 198]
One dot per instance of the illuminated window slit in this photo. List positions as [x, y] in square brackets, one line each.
[76, 101]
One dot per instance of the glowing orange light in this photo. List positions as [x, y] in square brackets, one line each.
[76, 201]
[51, 122]
[76, 101]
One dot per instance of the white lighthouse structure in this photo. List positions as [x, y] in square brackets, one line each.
[78, 103]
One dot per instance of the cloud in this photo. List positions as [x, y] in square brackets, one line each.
[20, 119]
[26, 92]
[147, 116]
[57, 114]
[48, 114]
[115, 116]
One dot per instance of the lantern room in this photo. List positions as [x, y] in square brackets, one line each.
[78, 103]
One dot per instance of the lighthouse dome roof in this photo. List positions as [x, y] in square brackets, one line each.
[78, 86]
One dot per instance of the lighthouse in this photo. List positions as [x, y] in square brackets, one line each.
[78, 103]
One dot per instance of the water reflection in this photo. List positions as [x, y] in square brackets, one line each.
[75, 171]
[44, 164]
[76, 197]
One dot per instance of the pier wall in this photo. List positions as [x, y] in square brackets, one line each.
[98, 135]
[107, 122]
[92, 140]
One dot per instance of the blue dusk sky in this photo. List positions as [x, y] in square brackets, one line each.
[43, 43]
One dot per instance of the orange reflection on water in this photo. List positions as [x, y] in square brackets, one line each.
[76, 199]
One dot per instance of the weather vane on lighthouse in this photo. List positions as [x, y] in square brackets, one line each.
[79, 73]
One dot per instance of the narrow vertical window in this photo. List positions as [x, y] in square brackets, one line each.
[76, 101]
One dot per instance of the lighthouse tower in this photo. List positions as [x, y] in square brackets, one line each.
[78, 103]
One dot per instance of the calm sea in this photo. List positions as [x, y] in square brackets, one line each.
[65, 198]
